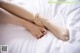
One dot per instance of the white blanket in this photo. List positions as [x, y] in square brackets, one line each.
[19, 40]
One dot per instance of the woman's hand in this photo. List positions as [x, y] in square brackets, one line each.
[8, 18]
[63, 34]
[59, 31]
[37, 31]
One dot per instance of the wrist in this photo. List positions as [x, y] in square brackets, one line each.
[37, 21]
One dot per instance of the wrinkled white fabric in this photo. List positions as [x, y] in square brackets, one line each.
[21, 41]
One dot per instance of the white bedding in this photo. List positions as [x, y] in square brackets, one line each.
[19, 40]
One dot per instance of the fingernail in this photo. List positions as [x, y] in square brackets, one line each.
[41, 36]
[67, 38]
[43, 33]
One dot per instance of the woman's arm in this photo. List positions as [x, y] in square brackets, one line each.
[59, 31]
[18, 11]
[8, 18]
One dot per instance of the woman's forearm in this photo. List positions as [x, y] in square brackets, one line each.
[8, 18]
[17, 10]
[50, 26]
[59, 31]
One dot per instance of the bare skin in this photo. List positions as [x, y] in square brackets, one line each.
[8, 18]
[60, 32]
[18, 11]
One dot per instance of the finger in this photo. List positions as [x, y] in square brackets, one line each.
[35, 35]
[39, 35]
[43, 30]
[67, 36]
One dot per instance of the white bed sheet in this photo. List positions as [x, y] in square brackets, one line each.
[21, 41]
